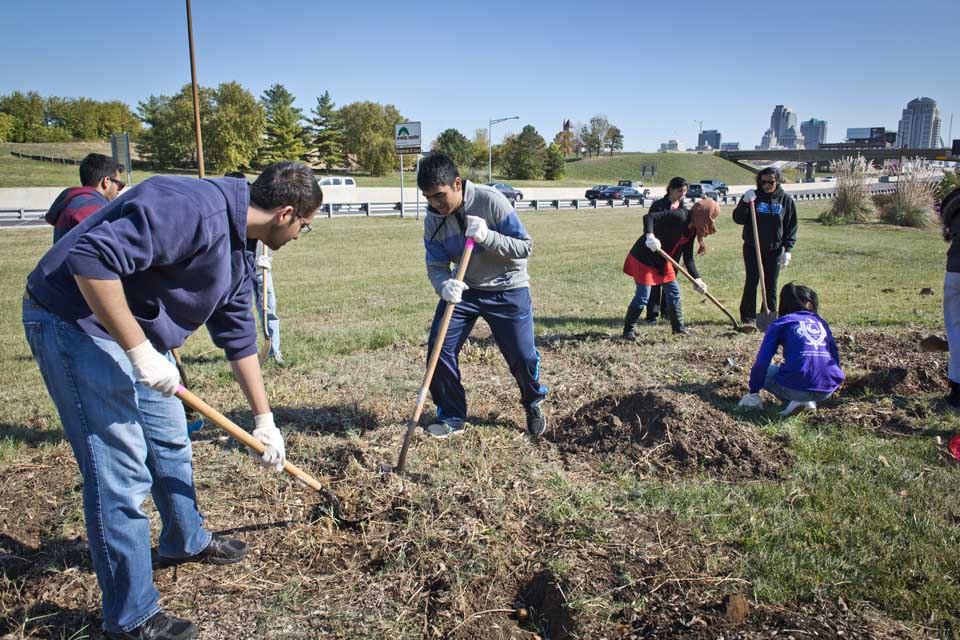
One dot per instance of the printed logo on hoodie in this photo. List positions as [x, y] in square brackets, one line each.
[769, 208]
[814, 335]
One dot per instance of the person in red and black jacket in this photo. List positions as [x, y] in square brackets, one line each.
[100, 177]
[671, 226]
[777, 228]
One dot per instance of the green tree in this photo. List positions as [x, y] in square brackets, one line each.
[456, 145]
[614, 139]
[480, 150]
[285, 137]
[28, 113]
[368, 135]
[526, 155]
[598, 134]
[587, 142]
[232, 134]
[170, 139]
[327, 130]
[567, 141]
[7, 123]
[555, 164]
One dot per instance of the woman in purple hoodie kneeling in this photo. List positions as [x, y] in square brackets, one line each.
[811, 364]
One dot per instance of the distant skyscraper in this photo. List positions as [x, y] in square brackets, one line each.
[791, 139]
[814, 132]
[769, 140]
[919, 126]
[709, 138]
[670, 145]
[782, 119]
[729, 146]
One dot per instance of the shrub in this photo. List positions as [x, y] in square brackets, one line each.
[852, 203]
[911, 205]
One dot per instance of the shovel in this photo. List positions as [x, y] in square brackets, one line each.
[225, 423]
[766, 316]
[742, 328]
[431, 366]
[266, 330]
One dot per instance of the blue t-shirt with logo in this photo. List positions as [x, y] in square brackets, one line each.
[811, 361]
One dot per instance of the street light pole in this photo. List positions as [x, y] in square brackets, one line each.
[490, 144]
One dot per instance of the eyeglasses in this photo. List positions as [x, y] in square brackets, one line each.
[120, 183]
[305, 228]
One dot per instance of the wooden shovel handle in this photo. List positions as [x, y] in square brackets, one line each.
[225, 423]
[434, 357]
[756, 246]
[676, 265]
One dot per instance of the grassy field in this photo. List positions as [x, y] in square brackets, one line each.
[851, 528]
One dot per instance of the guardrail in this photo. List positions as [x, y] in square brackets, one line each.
[26, 217]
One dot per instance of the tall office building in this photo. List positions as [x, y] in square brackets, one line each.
[782, 119]
[769, 140]
[709, 138]
[919, 126]
[814, 132]
[791, 139]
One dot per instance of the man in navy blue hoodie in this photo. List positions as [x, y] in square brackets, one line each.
[101, 312]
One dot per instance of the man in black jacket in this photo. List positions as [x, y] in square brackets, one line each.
[777, 228]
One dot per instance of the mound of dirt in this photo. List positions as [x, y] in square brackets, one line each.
[662, 432]
[888, 364]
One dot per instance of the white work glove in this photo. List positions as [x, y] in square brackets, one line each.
[153, 369]
[699, 286]
[785, 259]
[750, 401]
[265, 262]
[266, 432]
[452, 290]
[750, 196]
[652, 243]
[476, 229]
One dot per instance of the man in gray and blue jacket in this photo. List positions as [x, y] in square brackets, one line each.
[496, 287]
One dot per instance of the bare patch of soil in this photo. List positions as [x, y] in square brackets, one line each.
[661, 432]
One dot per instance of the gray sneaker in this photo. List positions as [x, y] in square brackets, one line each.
[442, 430]
[536, 421]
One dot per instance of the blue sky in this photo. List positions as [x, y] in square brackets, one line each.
[653, 69]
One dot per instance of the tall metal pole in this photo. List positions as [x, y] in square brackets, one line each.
[418, 187]
[402, 204]
[196, 97]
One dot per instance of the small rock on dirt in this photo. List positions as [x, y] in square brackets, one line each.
[736, 608]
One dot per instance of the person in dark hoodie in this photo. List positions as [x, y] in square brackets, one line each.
[100, 177]
[811, 370]
[101, 312]
[777, 227]
[670, 225]
[950, 223]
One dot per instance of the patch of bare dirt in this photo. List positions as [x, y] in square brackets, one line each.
[662, 432]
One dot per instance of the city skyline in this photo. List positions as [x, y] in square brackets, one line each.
[460, 67]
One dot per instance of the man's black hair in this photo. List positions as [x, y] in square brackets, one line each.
[949, 208]
[287, 183]
[436, 170]
[794, 297]
[95, 167]
[769, 171]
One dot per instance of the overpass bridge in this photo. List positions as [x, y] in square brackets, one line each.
[813, 156]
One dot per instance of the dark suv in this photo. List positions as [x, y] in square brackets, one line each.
[701, 190]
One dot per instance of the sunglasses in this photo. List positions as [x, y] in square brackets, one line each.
[120, 183]
[305, 228]
[768, 182]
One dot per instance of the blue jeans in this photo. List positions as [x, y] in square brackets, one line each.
[786, 394]
[128, 441]
[671, 293]
[510, 316]
[273, 322]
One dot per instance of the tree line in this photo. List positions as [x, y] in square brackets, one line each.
[241, 132]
